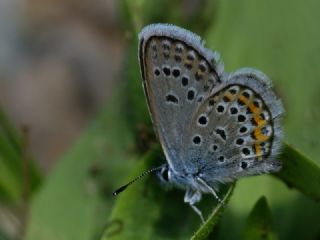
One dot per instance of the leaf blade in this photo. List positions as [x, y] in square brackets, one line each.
[300, 172]
[207, 228]
[259, 222]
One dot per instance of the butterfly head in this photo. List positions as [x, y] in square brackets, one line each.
[182, 180]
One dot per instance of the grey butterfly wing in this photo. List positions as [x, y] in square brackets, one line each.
[239, 128]
[178, 75]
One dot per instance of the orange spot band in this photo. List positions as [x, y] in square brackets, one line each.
[244, 100]
[229, 96]
[259, 121]
[257, 149]
[259, 136]
[254, 109]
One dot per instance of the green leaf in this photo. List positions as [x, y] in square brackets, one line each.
[207, 228]
[13, 158]
[259, 223]
[4, 235]
[76, 200]
[10, 184]
[300, 172]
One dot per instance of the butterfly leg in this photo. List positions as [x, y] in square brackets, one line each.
[211, 190]
[192, 197]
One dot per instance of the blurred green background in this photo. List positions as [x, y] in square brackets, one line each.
[74, 124]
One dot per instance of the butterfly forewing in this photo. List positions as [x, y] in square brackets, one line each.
[177, 80]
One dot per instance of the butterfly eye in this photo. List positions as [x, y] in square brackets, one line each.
[165, 174]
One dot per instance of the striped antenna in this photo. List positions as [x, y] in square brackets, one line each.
[122, 188]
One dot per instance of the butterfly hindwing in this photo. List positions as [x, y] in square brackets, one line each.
[239, 127]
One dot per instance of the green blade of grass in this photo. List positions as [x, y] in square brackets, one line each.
[13, 156]
[207, 228]
[300, 172]
[10, 185]
[259, 223]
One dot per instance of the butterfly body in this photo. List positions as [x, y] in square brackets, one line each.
[213, 127]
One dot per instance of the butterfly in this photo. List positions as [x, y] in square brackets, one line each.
[214, 127]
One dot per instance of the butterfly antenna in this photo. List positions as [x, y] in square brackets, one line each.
[122, 188]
